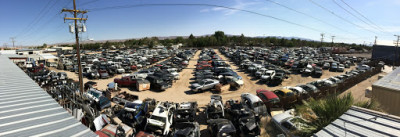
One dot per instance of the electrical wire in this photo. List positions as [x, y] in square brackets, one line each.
[333, 13]
[334, 1]
[362, 15]
[315, 18]
[40, 18]
[206, 5]
[34, 19]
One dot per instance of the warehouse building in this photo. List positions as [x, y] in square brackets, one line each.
[385, 53]
[386, 91]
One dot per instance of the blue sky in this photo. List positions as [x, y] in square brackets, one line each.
[33, 24]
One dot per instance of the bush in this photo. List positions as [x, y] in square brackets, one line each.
[325, 110]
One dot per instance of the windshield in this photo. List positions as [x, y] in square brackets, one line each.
[162, 119]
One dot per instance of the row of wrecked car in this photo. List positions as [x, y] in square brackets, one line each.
[211, 71]
[272, 65]
[108, 63]
[160, 76]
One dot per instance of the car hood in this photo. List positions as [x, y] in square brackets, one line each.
[264, 77]
[155, 122]
[196, 85]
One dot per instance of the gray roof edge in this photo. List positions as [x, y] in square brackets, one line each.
[397, 118]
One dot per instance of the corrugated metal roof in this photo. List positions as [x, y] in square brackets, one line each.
[362, 122]
[48, 56]
[390, 81]
[27, 110]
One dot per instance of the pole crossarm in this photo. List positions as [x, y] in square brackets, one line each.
[72, 11]
[67, 18]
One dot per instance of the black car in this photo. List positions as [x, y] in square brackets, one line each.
[157, 83]
[317, 72]
[221, 128]
[186, 129]
[185, 112]
[243, 118]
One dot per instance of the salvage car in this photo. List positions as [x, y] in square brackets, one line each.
[221, 128]
[269, 98]
[185, 112]
[254, 103]
[186, 129]
[205, 84]
[215, 109]
[161, 119]
[243, 118]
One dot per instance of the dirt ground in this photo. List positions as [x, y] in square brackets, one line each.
[364, 55]
[358, 91]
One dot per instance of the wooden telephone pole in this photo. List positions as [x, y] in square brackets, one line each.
[78, 53]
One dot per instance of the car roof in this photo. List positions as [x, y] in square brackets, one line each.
[268, 94]
[251, 97]
[285, 90]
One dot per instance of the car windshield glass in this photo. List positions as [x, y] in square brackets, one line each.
[162, 119]
[202, 82]
[95, 94]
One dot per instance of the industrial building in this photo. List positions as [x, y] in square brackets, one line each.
[387, 92]
[385, 53]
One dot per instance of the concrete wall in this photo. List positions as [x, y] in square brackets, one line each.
[388, 99]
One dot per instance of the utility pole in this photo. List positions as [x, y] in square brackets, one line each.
[332, 39]
[322, 38]
[376, 37]
[78, 53]
[13, 41]
[397, 46]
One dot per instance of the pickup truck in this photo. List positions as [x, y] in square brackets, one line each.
[126, 81]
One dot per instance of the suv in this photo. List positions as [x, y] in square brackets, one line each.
[161, 119]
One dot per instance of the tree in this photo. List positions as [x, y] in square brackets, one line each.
[191, 37]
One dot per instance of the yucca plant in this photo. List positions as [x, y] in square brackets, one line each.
[326, 110]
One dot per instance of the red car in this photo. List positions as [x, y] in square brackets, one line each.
[126, 81]
[269, 98]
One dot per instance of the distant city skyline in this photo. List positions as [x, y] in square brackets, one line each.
[350, 21]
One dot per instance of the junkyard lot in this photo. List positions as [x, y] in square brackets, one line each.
[179, 90]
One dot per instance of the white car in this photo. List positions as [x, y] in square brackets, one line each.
[363, 67]
[205, 84]
[268, 75]
[161, 119]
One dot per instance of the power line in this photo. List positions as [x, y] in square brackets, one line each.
[89, 2]
[362, 15]
[207, 5]
[333, 13]
[334, 1]
[315, 18]
[30, 24]
[40, 18]
[39, 29]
